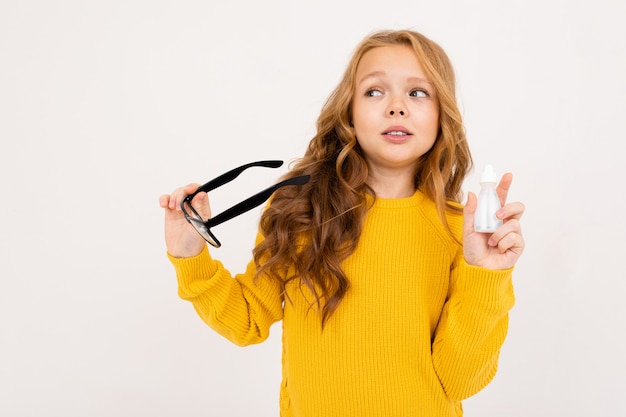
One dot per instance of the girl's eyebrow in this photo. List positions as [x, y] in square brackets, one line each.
[373, 74]
[377, 74]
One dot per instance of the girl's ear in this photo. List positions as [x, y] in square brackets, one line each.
[352, 129]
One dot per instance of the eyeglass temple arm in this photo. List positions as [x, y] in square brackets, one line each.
[234, 173]
[254, 201]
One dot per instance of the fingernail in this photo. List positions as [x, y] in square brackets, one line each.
[500, 213]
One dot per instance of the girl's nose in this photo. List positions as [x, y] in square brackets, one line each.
[396, 107]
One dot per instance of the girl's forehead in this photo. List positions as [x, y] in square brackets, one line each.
[389, 60]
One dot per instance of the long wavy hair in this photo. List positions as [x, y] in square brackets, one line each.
[308, 231]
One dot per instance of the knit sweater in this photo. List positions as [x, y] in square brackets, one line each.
[418, 331]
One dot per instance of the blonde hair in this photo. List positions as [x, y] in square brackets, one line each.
[310, 230]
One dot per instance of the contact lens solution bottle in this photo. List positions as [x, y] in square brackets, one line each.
[485, 219]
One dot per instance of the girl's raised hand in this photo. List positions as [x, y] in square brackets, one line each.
[501, 249]
[181, 239]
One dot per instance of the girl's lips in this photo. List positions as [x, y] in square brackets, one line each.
[397, 134]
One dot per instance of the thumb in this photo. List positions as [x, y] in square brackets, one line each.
[468, 213]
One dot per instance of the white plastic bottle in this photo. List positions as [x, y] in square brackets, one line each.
[485, 219]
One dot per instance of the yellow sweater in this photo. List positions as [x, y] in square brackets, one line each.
[419, 330]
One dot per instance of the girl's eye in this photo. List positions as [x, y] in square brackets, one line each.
[419, 93]
[373, 93]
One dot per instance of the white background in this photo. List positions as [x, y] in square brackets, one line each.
[105, 105]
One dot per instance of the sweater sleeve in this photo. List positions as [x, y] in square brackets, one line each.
[238, 308]
[472, 328]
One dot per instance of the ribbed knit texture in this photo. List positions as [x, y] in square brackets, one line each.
[418, 331]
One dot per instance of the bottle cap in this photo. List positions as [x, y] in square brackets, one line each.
[489, 174]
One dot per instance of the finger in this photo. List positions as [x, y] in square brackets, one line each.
[175, 197]
[164, 200]
[511, 226]
[468, 213]
[513, 242]
[201, 204]
[191, 188]
[511, 211]
[503, 187]
[180, 193]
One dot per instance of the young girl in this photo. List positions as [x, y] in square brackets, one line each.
[392, 305]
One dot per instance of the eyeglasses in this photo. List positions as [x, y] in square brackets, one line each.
[203, 227]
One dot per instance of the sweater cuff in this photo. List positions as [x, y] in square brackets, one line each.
[486, 284]
[196, 268]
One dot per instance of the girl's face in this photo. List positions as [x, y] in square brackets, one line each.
[395, 113]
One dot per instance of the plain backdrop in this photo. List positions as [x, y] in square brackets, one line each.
[105, 105]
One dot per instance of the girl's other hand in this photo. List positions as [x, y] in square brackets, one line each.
[181, 239]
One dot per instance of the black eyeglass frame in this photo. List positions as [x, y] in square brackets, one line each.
[204, 226]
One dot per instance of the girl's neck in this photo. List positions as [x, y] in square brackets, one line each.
[393, 186]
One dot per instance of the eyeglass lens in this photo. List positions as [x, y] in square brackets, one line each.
[196, 221]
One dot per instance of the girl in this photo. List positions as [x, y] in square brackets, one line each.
[392, 305]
